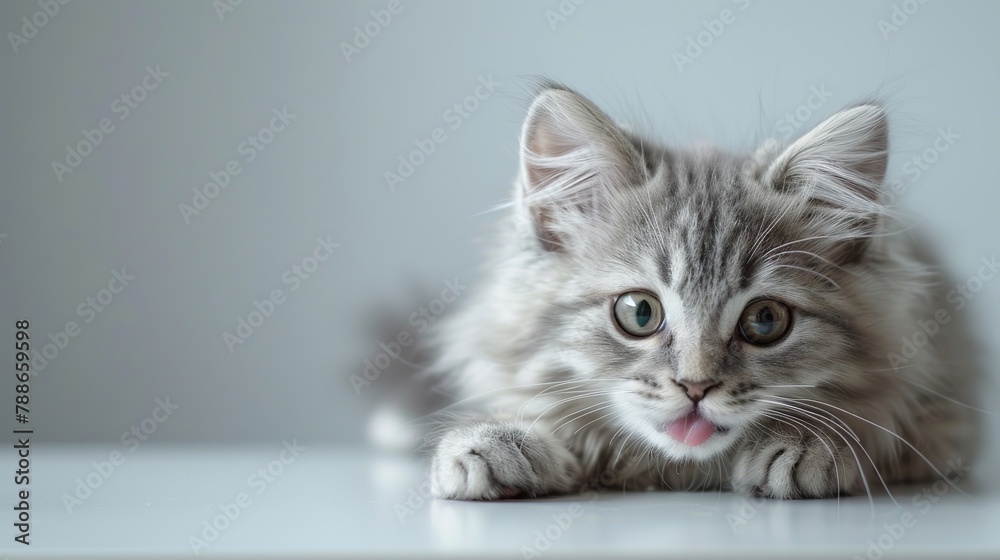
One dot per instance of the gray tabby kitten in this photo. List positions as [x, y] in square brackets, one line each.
[694, 319]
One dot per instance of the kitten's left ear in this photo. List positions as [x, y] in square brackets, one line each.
[839, 167]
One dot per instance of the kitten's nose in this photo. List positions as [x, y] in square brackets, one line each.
[696, 390]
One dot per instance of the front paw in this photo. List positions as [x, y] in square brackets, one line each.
[493, 460]
[790, 464]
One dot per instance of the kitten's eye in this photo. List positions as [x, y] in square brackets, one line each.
[638, 313]
[764, 321]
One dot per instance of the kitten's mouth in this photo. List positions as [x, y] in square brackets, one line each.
[692, 430]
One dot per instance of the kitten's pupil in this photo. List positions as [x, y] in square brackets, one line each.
[643, 313]
[637, 313]
[765, 321]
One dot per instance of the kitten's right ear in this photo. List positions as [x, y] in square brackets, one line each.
[572, 155]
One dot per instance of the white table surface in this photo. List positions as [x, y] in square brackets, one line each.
[350, 502]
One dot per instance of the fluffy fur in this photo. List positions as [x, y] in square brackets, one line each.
[562, 396]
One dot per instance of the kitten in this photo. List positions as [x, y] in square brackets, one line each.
[694, 319]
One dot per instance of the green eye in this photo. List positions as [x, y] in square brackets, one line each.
[764, 321]
[638, 313]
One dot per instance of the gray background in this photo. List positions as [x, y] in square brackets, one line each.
[323, 175]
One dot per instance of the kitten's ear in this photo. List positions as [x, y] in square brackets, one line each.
[841, 162]
[572, 155]
[839, 167]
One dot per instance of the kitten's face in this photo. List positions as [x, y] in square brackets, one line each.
[705, 294]
[682, 298]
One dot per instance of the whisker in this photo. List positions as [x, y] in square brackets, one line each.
[612, 440]
[947, 398]
[761, 236]
[581, 413]
[595, 420]
[900, 438]
[622, 448]
[560, 402]
[524, 406]
[786, 386]
[826, 261]
[833, 456]
[817, 273]
[845, 427]
[497, 390]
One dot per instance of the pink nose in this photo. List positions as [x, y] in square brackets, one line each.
[696, 390]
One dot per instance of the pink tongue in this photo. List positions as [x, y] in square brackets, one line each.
[691, 430]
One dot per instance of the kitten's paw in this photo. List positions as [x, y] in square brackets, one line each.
[493, 460]
[790, 465]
